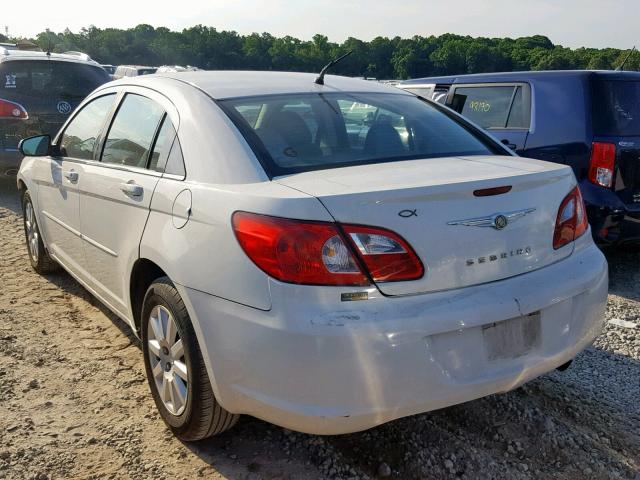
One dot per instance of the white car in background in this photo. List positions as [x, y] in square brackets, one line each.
[325, 257]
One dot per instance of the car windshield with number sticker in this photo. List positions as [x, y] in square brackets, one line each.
[52, 78]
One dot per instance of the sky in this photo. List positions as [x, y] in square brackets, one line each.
[572, 23]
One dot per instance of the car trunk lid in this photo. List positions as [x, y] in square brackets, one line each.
[431, 203]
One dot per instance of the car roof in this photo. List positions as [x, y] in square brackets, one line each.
[518, 76]
[77, 57]
[223, 84]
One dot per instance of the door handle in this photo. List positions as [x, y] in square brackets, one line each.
[71, 175]
[132, 189]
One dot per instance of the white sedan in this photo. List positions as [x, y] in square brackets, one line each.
[325, 257]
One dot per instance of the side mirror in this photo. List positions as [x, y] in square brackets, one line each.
[37, 146]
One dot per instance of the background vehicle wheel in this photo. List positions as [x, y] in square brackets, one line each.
[175, 369]
[38, 255]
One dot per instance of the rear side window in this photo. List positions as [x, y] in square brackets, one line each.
[492, 106]
[175, 162]
[79, 138]
[161, 149]
[132, 132]
[616, 107]
[50, 78]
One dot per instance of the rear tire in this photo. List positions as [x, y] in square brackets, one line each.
[175, 369]
[38, 255]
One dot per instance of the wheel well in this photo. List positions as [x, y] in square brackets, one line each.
[142, 276]
[21, 187]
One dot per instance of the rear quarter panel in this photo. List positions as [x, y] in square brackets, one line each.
[204, 254]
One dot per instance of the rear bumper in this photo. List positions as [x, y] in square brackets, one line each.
[615, 226]
[320, 366]
[612, 221]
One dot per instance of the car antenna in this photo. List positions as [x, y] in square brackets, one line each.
[625, 59]
[48, 43]
[320, 79]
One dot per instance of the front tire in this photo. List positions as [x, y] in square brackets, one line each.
[38, 255]
[175, 368]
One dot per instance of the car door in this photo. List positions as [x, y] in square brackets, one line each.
[57, 178]
[503, 109]
[115, 194]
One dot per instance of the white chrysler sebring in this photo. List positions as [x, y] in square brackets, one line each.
[327, 256]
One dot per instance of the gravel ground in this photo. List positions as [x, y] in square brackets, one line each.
[75, 403]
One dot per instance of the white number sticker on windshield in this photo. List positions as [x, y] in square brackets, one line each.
[10, 80]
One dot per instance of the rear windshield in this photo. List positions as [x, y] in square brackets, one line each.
[50, 78]
[616, 107]
[301, 132]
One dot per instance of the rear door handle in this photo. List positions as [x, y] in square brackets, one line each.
[132, 189]
[71, 175]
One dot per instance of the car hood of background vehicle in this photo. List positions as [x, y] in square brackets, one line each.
[440, 190]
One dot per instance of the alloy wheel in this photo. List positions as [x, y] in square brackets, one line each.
[32, 231]
[168, 365]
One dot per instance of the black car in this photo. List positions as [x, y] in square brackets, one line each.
[589, 120]
[38, 91]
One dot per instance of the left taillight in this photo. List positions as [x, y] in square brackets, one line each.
[324, 253]
[12, 110]
[387, 256]
[602, 163]
[571, 221]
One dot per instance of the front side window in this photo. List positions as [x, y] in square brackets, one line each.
[300, 132]
[132, 132]
[492, 106]
[79, 138]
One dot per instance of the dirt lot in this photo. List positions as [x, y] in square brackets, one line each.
[75, 403]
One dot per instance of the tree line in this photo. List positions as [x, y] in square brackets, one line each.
[381, 58]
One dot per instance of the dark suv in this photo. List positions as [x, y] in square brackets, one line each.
[38, 91]
[589, 120]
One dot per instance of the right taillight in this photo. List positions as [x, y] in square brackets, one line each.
[602, 164]
[324, 253]
[571, 221]
[12, 110]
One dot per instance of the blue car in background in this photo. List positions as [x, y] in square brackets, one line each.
[589, 120]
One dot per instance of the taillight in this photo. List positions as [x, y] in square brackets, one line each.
[318, 253]
[571, 222]
[295, 251]
[12, 110]
[601, 166]
[386, 255]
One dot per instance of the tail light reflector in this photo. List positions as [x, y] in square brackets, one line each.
[12, 110]
[601, 166]
[324, 253]
[386, 255]
[571, 222]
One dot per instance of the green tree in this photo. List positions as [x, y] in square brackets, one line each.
[382, 57]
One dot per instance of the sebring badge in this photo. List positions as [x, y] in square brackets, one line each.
[497, 220]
